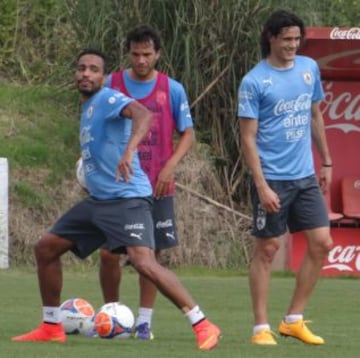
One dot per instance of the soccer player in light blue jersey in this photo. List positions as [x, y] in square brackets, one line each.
[159, 157]
[117, 211]
[278, 110]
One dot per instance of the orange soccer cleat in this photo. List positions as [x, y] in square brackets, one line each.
[46, 332]
[207, 335]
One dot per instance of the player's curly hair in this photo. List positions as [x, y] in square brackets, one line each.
[273, 26]
[143, 33]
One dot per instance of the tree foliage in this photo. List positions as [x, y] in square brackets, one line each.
[208, 45]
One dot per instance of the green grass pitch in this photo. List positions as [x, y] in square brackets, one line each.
[334, 309]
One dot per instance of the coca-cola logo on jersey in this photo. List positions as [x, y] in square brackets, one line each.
[301, 103]
[341, 107]
[344, 258]
[345, 34]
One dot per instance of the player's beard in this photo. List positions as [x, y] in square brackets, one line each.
[88, 92]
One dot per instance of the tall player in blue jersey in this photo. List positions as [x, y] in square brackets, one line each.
[278, 108]
[117, 211]
[159, 157]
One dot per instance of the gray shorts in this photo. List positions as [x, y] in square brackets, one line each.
[163, 215]
[164, 223]
[118, 223]
[302, 208]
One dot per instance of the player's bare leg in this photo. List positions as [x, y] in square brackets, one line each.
[259, 279]
[318, 246]
[48, 252]
[144, 261]
[148, 293]
[110, 275]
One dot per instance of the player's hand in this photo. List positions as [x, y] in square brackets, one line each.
[124, 168]
[164, 180]
[325, 178]
[269, 200]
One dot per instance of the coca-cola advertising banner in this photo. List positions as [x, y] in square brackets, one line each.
[337, 52]
[343, 259]
[341, 112]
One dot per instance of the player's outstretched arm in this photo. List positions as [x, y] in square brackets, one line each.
[141, 118]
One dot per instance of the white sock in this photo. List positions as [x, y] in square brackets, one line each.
[291, 318]
[51, 314]
[144, 315]
[195, 315]
[260, 327]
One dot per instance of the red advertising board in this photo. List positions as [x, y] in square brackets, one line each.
[343, 259]
[337, 51]
[341, 112]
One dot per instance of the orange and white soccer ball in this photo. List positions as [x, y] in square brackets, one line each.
[75, 312]
[114, 320]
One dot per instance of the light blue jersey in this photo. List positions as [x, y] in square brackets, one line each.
[280, 100]
[104, 135]
[178, 99]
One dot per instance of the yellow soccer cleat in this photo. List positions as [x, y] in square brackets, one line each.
[264, 338]
[300, 331]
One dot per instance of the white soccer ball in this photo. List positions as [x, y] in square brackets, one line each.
[114, 320]
[74, 312]
[87, 327]
[80, 173]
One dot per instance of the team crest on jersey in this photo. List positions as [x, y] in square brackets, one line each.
[89, 112]
[307, 78]
[161, 97]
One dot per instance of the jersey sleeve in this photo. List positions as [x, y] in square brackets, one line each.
[248, 99]
[116, 102]
[180, 108]
[318, 94]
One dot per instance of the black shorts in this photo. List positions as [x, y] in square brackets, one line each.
[163, 215]
[164, 223]
[302, 208]
[118, 223]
